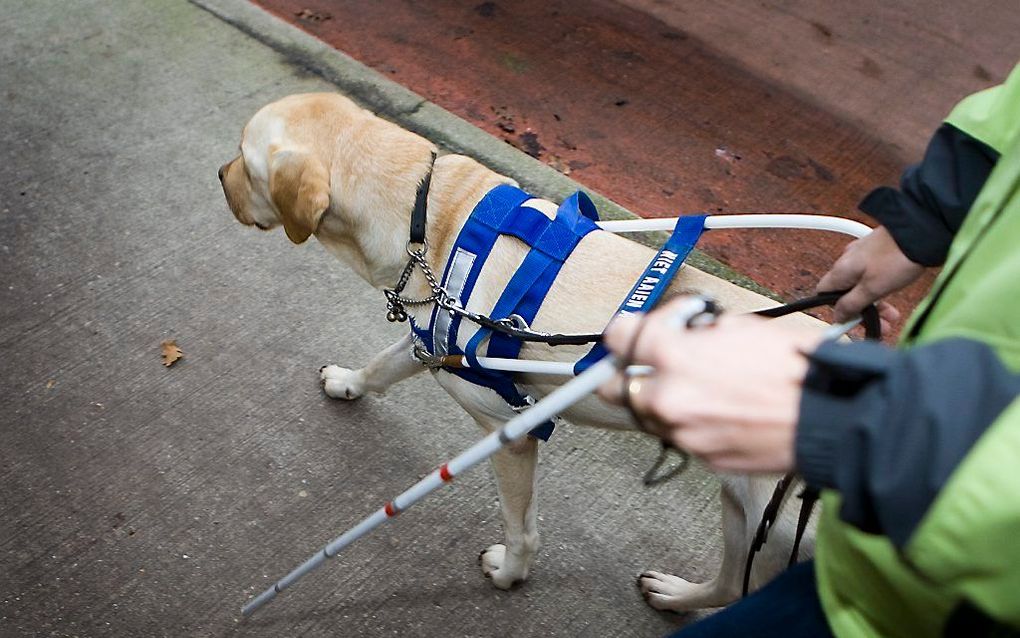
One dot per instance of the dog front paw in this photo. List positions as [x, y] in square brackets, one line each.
[505, 570]
[342, 383]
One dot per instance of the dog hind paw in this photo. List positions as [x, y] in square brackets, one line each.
[341, 383]
[501, 568]
[666, 591]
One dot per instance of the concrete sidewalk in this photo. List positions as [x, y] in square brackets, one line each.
[146, 501]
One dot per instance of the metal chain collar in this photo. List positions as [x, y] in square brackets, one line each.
[395, 302]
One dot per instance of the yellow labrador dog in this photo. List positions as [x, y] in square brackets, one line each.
[319, 165]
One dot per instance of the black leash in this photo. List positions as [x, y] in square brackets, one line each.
[808, 497]
[768, 518]
[653, 477]
[869, 318]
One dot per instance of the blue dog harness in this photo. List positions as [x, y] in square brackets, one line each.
[551, 241]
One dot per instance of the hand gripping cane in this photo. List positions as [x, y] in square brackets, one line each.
[557, 401]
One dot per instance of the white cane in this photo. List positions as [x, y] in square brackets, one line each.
[552, 405]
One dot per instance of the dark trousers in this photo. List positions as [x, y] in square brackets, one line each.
[788, 607]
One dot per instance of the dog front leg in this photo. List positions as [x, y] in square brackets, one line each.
[514, 467]
[392, 365]
[666, 591]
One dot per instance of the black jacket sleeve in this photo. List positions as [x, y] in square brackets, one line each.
[934, 196]
[886, 428]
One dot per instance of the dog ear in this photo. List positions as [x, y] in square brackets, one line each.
[299, 188]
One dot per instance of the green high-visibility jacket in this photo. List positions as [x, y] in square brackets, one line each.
[967, 548]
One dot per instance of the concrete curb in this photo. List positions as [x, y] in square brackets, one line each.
[395, 102]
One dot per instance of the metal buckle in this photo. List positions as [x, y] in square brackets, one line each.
[516, 321]
[422, 355]
[417, 253]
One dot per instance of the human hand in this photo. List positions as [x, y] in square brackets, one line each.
[729, 393]
[869, 268]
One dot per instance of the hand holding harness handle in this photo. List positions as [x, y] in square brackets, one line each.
[809, 495]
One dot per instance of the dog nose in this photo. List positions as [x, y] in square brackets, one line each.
[223, 169]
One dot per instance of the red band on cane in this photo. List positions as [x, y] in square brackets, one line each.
[390, 510]
[444, 473]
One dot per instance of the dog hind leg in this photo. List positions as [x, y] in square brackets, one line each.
[392, 365]
[666, 591]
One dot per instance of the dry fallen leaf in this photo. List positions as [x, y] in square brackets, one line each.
[559, 164]
[312, 16]
[171, 352]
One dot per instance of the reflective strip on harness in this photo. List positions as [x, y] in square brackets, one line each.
[656, 278]
[456, 279]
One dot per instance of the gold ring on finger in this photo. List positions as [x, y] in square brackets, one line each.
[634, 387]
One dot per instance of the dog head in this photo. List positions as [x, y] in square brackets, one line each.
[282, 175]
[317, 164]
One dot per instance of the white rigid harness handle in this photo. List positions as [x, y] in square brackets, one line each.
[767, 220]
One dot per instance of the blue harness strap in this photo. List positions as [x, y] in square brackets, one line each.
[551, 241]
[654, 281]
